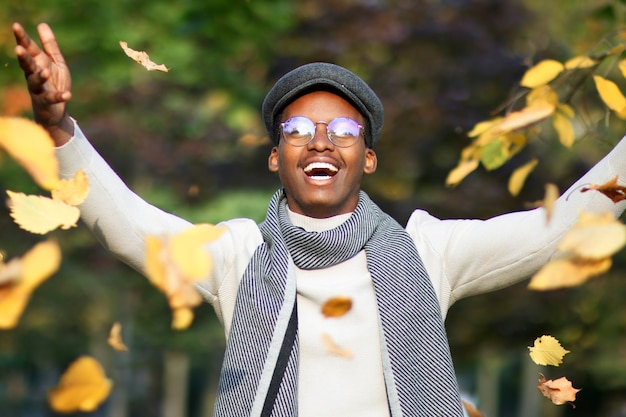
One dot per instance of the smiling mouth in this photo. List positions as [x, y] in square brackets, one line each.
[320, 170]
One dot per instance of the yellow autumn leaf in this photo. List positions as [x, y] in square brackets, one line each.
[22, 277]
[188, 253]
[594, 236]
[565, 273]
[142, 58]
[481, 127]
[334, 349]
[550, 196]
[82, 388]
[336, 306]
[518, 177]
[543, 95]
[32, 147]
[115, 338]
[611, 95]
[174, 264]
[462, 170]
[72, 191]
[39, 214]
[580, 62]
[541, 73]
[547, 350]
[525, 117]
[564, 129]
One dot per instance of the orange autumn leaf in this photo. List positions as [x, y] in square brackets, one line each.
[176, 263]
[32, 147]
[547, 350]
[115, 338]
[39, 214]
[72, 191]
[20, 277]
[610, 189]
[559, 391]
[142, 58]
[336, 306]
[471, 410]
[82, 388]
[334, 349]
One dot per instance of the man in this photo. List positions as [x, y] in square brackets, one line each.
[323, 239]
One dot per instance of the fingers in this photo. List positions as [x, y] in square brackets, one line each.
[49, 43]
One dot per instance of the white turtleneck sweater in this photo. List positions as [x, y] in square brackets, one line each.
[462, 258]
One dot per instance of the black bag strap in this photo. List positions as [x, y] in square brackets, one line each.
[281, 363]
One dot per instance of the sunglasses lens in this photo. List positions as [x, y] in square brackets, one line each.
[298, 130]
[344, 131]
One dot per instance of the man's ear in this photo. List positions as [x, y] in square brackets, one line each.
[272, 160]
[371, 161]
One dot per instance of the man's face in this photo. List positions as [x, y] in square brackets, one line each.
[332, 187]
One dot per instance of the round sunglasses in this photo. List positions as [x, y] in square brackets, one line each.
[341, 131]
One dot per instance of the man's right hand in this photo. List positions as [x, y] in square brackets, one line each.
[48, 80]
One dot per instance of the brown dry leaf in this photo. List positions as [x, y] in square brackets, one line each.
[610, 189]
[142, 58]
[471, 410]
[115, 338]
[518, 177]
[82, 388]
[39, 214]
[564, 273]
[22, 277]
[594, 236]
[337, 306]
[174, 264]
[32, 147]
[72, 191]
[559, 391]
[541, 73]
[334, 349]
[547, 350]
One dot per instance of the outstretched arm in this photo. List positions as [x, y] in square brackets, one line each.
[48, 80]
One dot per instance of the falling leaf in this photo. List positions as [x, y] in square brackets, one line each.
[334, 349]
[336, 306]
[142, 58]
[564, 129]
[22, 276]
[39, 214]
[547, 351]
[174, 264]
[32, 147]
[542, 73]
[580, 62]
[610, 189]
[82, 388]
[549, 199]
[594, 236]
[559, 391]
[518, 177]
[471, 410]
[115, 338]
[564, 273]
[611, 95]
[72, 191]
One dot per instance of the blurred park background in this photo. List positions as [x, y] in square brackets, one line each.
[192, 142]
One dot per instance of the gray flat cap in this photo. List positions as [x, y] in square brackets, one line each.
[323, 76]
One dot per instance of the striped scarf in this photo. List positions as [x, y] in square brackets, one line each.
[419, 374]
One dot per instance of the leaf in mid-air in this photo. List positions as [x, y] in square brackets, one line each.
[32, 147]
[115, 338]
[39, 214]
[611, 189]
[21, 276]
[559, 391]
[547, 351]
[142, 58]
[72, 191]
[336, 306]
[82, 387]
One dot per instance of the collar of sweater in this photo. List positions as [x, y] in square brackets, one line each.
[312, 224]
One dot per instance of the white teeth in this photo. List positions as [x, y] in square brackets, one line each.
[320, 165]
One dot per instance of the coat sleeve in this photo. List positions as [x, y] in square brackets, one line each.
[469, 257]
